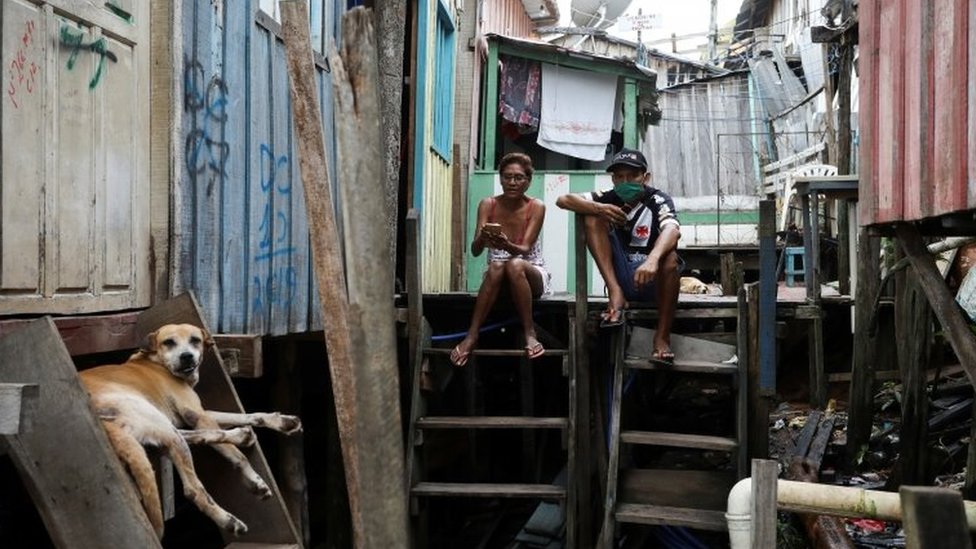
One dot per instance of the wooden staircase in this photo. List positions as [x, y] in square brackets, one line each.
[422, 422]
[676, 497]
[425, 360]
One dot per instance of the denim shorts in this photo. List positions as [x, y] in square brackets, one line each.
[625, 264]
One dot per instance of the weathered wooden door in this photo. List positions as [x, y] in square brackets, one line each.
[74, 193]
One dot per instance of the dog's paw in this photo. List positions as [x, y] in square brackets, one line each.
[259, 487]
[246, 437]
[235, 526]
[289, 425]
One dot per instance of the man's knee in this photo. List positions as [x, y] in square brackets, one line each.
[669, 264]
[595, 222]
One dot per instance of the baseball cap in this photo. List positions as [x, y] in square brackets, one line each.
[628, 157]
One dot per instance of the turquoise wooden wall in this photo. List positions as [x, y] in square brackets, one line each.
[240, 235]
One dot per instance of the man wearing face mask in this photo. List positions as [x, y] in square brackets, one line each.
[632, 232]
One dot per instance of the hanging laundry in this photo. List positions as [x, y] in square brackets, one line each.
[577, 112]
[519, 99]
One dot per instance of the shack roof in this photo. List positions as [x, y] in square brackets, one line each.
[559, 55]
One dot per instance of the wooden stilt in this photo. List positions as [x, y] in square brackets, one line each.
[913, 331]
[934, 518]
[861, 412]
[764, 475]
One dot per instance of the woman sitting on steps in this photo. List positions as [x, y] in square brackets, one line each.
[508, 226]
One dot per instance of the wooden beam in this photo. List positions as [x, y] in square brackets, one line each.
[83, 335]
[370, 281]
[758, 404]
[913, 333]
[767, 297]
[934, 518]
[18, 402]
[583, 377]
[946, 309]
[764, 475]
[326, 259]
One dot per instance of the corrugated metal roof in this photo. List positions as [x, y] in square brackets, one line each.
[542, 12]
[627, 66]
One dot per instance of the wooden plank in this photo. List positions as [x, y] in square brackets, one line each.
[889, 125]
[570, 370]
[267, 519]
[18, 404]
[679, 440]
[758, 404]
[241, 354]
[369, 262]
[918, 114]
[806, 434]
[677, 488]
[950, 81]
[672, 516]
[913, 334]
[84, 335]
[819, 444]
[450, 489]
[767, 297]
[969, 487]
[742, 386]
[691, 350]
[608, 529]
[934, 518]
[491, 422]
[584, 374]
[60, 484]
[946, 310]
[860, 415]
[764, 473]
[511, 353]
[687, 366]
[330, 279]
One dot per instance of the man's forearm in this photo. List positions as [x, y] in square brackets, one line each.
[577, 204]
[666, 242]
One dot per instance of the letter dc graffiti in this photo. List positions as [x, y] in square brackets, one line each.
[276, 287]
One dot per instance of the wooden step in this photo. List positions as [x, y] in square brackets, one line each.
[675, 489]
[245, 545]
[496, 352]
[492, 422]
[683, 366]
[456, 489]
[673, 516]
[679, 440]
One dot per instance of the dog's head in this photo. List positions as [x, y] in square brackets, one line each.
[178, 347]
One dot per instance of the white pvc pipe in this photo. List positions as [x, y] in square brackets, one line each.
[821, 499]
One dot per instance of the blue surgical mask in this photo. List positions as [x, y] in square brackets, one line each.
[629, 191]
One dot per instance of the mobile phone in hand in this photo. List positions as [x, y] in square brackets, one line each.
[492, 228]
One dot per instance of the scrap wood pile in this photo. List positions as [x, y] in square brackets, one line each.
[811, 446]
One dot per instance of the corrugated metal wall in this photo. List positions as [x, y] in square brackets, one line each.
[918, 108]
[240, 236]
[508, 18]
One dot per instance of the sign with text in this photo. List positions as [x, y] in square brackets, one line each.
[639, 22]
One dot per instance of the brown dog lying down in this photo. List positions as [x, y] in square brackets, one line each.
[149, 400]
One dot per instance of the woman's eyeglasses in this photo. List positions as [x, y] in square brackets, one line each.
[516, 177]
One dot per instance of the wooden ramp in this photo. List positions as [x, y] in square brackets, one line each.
[80, 489]
[268, 522]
